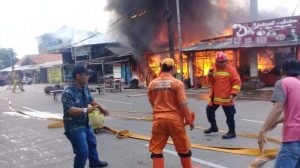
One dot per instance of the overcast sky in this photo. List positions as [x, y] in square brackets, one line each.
[24, 20]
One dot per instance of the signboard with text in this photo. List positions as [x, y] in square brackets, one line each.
[54, 75]
[267, 31]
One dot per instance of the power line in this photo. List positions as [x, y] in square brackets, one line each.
[127, 17]
[130, 13]
[296, 8]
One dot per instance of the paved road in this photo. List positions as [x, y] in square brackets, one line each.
[27, 142]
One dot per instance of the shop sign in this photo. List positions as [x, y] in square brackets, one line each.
[267, 31]
[54, 75]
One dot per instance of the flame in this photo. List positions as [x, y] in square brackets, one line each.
[184, 65]
[265, 61]
[204, 61]
[154, 65]
[227, 31]
[202, 64]
[153, 70]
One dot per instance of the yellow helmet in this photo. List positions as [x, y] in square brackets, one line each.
[168, 62]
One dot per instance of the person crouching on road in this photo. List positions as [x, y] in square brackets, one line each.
[170, 115]
[76, 99]
[225, 85]
[286, 109]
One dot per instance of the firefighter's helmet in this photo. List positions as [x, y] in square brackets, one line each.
[221, 57]
[168, 62]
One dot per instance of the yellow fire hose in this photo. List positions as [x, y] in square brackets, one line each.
[260, 158]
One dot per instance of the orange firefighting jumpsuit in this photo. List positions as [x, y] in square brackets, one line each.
[167, 97]
[224, 83]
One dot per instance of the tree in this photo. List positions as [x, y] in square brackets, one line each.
[5, 55]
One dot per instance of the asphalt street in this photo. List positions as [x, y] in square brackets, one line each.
[26, 142]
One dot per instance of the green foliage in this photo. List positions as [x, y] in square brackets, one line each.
[5, 54]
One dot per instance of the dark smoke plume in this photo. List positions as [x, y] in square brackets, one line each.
[142, 27]
[199, 19]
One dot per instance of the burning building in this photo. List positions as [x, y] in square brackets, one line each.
[147, 26]
[257, 49]
[202, 57]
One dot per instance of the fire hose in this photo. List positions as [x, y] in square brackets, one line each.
[123, 134]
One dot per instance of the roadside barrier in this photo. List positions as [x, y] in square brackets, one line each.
[123, 134]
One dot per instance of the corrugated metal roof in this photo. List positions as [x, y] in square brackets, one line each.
[97, 39]
[32, 67]
[40, 58]
[225, 44]
[211, 45]
[8, 69]
[50, 64]
[119, 50]
[22, 68]
[274, 44]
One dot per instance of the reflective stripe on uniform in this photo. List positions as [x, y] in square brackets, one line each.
[222, 74]
[237, 87]
[222, 100]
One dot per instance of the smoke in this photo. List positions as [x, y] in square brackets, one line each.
[136, 32]
[140, 24]
[143, 27]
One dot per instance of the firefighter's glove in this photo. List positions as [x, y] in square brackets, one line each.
[190, 123]
[192, 126]
[232, 97]
[210, 73]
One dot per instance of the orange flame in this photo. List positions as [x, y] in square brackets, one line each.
[154, 64]
[265, 61]
[227, 31]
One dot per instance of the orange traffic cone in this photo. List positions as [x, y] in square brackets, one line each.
[158, 162]
[186, 162]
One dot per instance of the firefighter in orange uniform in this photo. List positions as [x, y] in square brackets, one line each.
[170, 115]
[225, 85]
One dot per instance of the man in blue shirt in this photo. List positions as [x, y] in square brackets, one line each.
[76, 99]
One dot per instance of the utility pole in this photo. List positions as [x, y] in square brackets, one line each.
[12, 65]
[74, 54]
[168, 17]
[254, 52]
[179, 39]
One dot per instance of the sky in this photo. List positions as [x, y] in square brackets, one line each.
[24, 20]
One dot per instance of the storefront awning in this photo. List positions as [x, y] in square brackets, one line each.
[227, 44]
[273, 44]
[211, 45]
[33, 67]
[119, 50]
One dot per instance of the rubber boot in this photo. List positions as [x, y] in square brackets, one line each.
[229, 135]
[158, 162]
[211, 129]
[186, 162]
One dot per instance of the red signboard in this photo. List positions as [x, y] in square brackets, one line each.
[267, 31]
